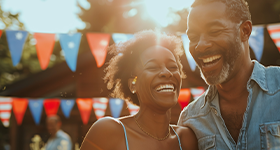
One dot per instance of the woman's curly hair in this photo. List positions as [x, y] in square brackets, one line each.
[126, 55]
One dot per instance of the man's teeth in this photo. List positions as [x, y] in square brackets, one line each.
[165, 88]
[210, 59]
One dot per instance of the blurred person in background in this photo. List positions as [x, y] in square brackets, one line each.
[58, 140]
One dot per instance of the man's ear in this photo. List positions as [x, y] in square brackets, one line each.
[132, 87]
[245, 30]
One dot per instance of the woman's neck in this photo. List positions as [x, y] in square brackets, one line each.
[156, 124]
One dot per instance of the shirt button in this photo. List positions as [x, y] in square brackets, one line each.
[216, 113]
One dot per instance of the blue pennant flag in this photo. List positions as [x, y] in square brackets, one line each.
[66, 106]
[116, 106]
[36, 107]
[121, 37]
[16, 40]
[256, 41]
[191, 61]
[70, 44]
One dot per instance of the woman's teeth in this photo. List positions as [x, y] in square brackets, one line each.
[165, 88]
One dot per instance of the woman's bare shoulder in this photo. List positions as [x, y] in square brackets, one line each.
[187, 137]
[102, 131]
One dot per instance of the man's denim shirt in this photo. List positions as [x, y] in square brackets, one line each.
[261, 120]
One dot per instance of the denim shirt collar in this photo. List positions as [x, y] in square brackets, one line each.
[258, 75]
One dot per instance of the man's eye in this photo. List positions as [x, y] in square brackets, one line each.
[152, 68]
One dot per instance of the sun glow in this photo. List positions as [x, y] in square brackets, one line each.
[163, 12]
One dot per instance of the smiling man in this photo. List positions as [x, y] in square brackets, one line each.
[240, 109]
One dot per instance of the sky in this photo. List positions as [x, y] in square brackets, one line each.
[61, 16]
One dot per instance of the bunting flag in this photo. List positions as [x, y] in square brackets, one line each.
[256, 41]
[98, 44]
[186, 42]
[120, 37]
[0, 33]
[19, 108]
[5, 110]
[196, 92]
[51, 106]
[274, 32]
[84, 106]
[36, 108]
[133, 109]
[16, 40]
[66, 106]
[44, 46]
[99, 106]
[70, 44]
[116, 106]
[184, 97]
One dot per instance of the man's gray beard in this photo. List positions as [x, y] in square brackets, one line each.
[214, 80]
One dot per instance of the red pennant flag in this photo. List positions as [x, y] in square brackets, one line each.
[98, 43]
[84, 106]
[184, 97]
[51, 106]
[274, 32]
[19, 108]
[0, 33]
[44, 46]
[5, 110]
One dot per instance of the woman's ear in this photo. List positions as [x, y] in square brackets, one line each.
[245, 30]
[132, 85]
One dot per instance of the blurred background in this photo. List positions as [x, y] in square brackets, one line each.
[28, 80]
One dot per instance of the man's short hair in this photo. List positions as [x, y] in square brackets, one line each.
[237, 10]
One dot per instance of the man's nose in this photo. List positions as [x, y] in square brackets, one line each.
[203, 44]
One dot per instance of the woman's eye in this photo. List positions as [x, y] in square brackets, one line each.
[215, 32]
[173, 67]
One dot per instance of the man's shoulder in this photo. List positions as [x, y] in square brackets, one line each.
[272, 78]
[195, 108]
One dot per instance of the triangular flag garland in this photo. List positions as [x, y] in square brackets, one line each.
[184, 97]
[186, 42]
[99, 41]
[36, 108]
[44, 46]
[120, 37]
[5, 110]
[16, 40]
[99, 106]
[133, 109]
[256, 41]
[98, 44]
[196, 92]
[19, 108]
[85, 107]
[51, 106]
[66, 106]
[116, 106]
[70, 44]
[274, 32]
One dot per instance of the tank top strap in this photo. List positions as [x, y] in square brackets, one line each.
[177, 138]
[126, 142]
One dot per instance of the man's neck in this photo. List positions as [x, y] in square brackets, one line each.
[236, 87]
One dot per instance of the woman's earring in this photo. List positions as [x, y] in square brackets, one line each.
[133, 92]
[134, 80]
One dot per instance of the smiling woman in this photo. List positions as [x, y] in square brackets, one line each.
[148, 73]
